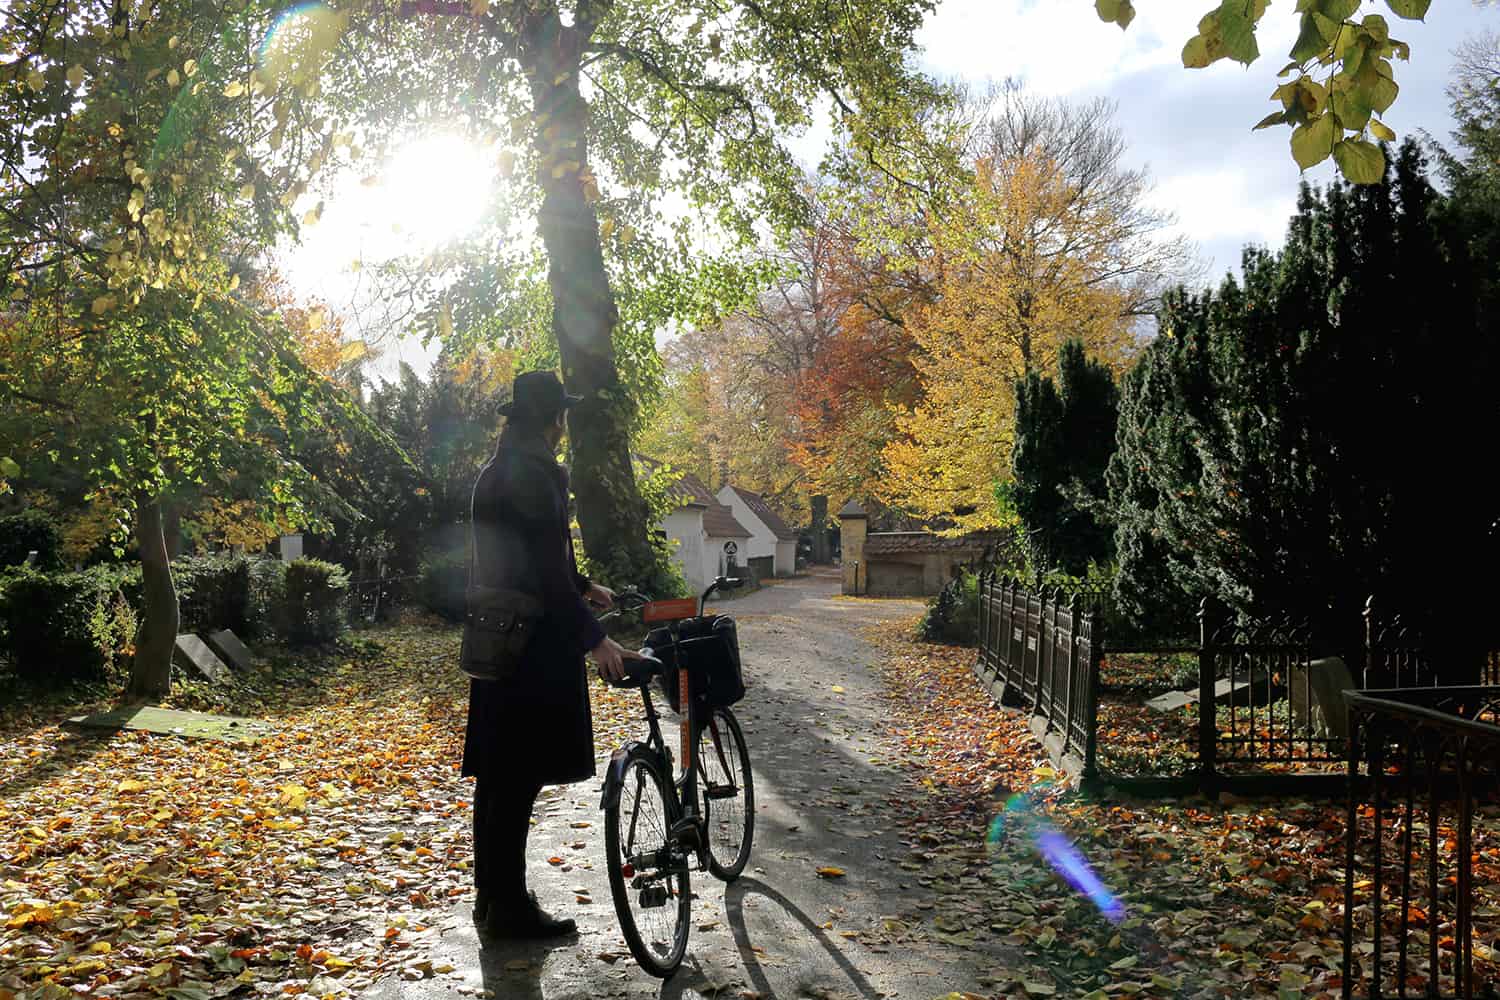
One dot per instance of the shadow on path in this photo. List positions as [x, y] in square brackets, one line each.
[734, 904]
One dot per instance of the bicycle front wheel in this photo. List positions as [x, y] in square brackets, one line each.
[728, 790]
[648, 874]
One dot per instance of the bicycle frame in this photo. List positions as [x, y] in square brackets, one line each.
[686, 825]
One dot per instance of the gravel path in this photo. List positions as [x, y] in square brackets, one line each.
[817, 728]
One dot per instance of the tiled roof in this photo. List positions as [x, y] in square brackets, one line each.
[719, 522]
[768, 517]
[896, 542]
[690, 491]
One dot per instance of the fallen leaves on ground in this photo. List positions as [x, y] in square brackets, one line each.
[1220, 899]
[309, 863]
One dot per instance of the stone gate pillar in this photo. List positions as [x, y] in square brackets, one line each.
[853, 522]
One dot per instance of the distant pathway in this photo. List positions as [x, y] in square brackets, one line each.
[817, 729]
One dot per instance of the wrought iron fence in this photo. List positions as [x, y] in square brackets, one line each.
[1265, 699]
[1420, 764]
[1269, 697]
[1040, 652]
[379, 599]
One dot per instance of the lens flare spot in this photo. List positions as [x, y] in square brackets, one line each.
[297, 40]
[1019, 818]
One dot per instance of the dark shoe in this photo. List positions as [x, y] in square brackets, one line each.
[528, 920]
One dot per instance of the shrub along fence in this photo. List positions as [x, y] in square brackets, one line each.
[1270, 714]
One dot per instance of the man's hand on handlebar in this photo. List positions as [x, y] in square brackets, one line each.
[609, 657]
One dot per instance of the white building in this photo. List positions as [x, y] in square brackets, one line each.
[707, 538]
[773, 545]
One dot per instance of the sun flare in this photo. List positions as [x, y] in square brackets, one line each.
[434, 190]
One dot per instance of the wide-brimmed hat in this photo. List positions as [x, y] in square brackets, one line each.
[539, 393]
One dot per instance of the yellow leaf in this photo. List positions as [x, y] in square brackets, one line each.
[606, 228]
[831, 872]
[445, 320]
[75, 76]
[313, 215]
[837, 689]
[99, 307]
[234, 282]
[36, 81]
[248, 191]
[235, 89]
[172, 42]
[173, 78]
[190, 68]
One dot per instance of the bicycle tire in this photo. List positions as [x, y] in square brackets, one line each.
[728, 797]
[660, 947]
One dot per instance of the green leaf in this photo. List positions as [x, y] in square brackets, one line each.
[8, 467]
[1412, 10]
[1313, 142]
[1360, 161]
[1238, 32]
[1274, 118]
[1310, 43]
[1195, 53]
[1108, 9]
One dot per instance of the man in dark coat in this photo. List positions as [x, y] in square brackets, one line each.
[533, 728]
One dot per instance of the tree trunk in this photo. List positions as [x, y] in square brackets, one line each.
[611, 513]
[151, 671]
[820, 554]
[172, 529]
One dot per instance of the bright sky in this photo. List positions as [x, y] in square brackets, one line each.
[1227, 185]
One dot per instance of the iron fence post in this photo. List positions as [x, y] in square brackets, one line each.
[1351, 839]
[1091, 717]
[1208, 723]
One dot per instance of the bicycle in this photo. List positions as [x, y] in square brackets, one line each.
[657, 827]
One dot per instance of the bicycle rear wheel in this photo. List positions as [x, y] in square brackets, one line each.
[728, 790]
[648, 875]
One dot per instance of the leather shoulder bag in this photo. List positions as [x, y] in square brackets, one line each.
[498, 627]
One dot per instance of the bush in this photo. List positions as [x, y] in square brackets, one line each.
[444, 580]
[312, 606]
[68, 626]
[953, 615]
[28, 531]
[265, 589]
[213, 592]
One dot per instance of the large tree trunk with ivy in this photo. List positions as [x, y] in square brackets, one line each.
[611, 513]
[151, 670]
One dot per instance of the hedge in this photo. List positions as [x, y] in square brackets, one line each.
[213, 592]
[68, 626]
[313, 605]
[27, 532]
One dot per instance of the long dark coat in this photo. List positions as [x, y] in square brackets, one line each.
[537, 725]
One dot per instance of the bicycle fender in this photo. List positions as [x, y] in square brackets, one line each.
[614, 778]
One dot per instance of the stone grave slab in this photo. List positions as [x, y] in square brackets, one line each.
[193, 653]
[1240, 691]
[230, 649]
[169, 722]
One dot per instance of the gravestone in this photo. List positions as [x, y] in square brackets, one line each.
[1317, 695]
[193, 653]
[1242, 690]
[168, 722]
[231, 650]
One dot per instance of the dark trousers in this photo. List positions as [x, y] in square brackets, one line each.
[502, 819]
